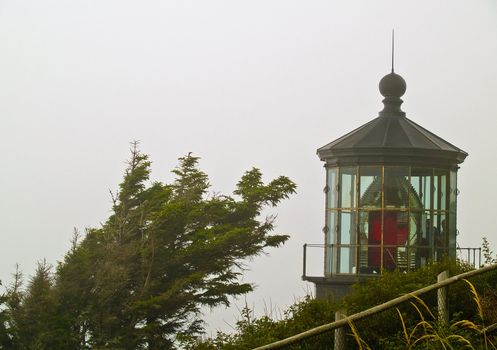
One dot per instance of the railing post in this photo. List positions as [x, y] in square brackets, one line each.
[339, 343]
[442, 300]
[305, 260]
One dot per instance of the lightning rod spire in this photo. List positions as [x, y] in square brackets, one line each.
[393, 47]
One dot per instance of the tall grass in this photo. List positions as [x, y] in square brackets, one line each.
[429, 333]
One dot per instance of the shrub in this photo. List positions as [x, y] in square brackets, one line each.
[386, 330]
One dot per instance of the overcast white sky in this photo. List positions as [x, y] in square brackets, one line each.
[240, 83]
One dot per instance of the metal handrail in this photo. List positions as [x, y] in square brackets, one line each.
[473, 255]
[374, 310]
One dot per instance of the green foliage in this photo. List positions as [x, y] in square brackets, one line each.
[140, 280]
[488, 255]
[10, 305]
[412, 325]
[390, 285]
[427, 333]
[252, 332]
[7, 333]
[33, 312]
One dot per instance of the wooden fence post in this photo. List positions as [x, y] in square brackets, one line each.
[344, 322]
[339, 343]
[442, 299]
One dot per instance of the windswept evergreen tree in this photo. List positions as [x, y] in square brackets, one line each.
[33, 311]
[7, 332]
[10, 312]
[167, 250]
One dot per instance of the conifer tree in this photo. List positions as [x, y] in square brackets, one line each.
[166, 250]
[34, 311]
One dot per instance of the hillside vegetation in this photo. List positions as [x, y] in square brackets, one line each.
[413, 325]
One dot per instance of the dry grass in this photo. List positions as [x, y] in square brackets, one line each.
[430, 334]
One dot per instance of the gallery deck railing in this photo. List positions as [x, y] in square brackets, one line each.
[405, 258]
[345, 321]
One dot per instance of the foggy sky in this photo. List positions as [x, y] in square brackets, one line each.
[240, 84]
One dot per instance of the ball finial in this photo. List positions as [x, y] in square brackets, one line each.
[392, 85]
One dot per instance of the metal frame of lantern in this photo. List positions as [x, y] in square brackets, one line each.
[388, 217]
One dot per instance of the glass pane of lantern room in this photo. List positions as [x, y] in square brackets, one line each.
[370, 187]
[396, 187]
[440, 186]
[395, 234]
[370, 239]
[440, 236]
[451, 234]
[421, 184]
[347, 227]
[420, 236]
[347, 260]
[412, 240]
[452, 192]
[347, 242]
[332, 187]
[348, 187]
[331, 241]
[331, 227]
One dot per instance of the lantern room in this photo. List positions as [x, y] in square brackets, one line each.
[391, 197]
